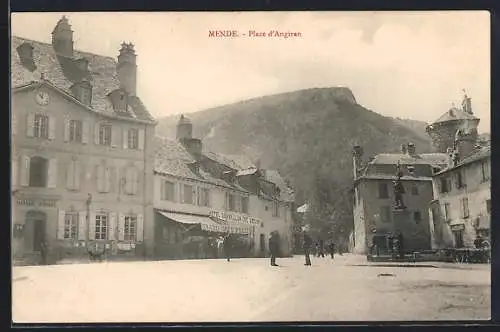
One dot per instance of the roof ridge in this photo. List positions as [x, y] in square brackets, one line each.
[76, 50]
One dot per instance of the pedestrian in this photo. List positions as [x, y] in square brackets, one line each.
[273, 248]
[331, 248]
[228, 247]
[307, 244]
[389, 240]
[321, 248]
[43, 252]
[400, 246]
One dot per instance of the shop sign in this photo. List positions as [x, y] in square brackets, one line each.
[40, 203]
[233, 217]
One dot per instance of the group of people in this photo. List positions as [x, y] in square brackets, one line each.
[392, 243]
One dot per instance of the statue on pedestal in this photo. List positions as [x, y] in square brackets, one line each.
[399, 189]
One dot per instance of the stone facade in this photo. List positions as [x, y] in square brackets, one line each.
[217, 185]
[81, 165]
[461, 210]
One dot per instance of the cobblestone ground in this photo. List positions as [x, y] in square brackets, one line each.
[249, 290]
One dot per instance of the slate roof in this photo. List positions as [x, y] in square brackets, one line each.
[480, 154]
[236, 162]
[455, 114]
[286, 193]
[406, 159]
[62, 72]
[172, 158]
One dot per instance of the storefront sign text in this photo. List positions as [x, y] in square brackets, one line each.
[230, 217]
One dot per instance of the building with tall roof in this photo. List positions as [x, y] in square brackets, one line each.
[375, 215]
[201, 195]
[461, 210]
[82, 150]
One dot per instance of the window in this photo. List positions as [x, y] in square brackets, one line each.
[444, 185]
[86, 94]
[414, 190]
[465, 207]
[204, 198]
[459, 238]
[70, 225]
[447, 211]
[41, 126]
[130, 228]
[488, 206]
[101, 227]
[244, 204]
[105, 134]
[38, 172]
[417, 216]
[133, 139]
[231, 203]
[385, 214]
[168, 193]
[188, 194]
[485, 171]
[383, 191]
[460, 180]
[276, 209]
[75, 130]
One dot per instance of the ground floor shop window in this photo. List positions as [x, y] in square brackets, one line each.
[130, 228]
[101, 226]
[70, 225]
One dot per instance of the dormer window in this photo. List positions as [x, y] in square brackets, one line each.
[82, 64]
[83, 92]
[119, 98]
[25, 51]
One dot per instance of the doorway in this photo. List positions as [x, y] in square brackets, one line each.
[262, 244]
[459, 238]
[35, 230]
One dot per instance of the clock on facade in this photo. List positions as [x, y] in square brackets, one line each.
[42, 98]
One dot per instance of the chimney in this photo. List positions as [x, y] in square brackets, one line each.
[127, 68]
[411, 149]
[403, 148]
[62, 38]
[193, 146]
[184, 128]
[357, 154]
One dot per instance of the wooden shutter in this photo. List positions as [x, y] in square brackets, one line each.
[128, 180]
[14, 172]
[115, 136]
[96, 133]
[140, 139]
[52, 173]
[92, 226]
[78, 174]
[13, 123]
[140, 228]
[52, 127]
[100, 178]
[25, 170]
[60, 225]
[82, 225]
[107, 179]
[67, 125]
[121, 226]
[112, 226]
[30, 125]
[70, 175]
[85, 131]
[125, 138]
[181, 192]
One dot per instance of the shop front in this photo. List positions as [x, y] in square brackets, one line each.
[194, 236]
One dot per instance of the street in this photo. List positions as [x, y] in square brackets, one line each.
[249, 290]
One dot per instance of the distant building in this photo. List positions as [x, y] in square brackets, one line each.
[201, 195]
[81, 150]
[374, 211]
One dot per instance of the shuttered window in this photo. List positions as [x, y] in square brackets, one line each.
[105, 134]
[71, 225]
[130, 228]
[41, 126]
[73, 175]
[133, 139]
[75, 131]
[465, 207]
[101, 226]
[188, 194]
[168, 191]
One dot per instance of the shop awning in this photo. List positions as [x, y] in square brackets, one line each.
[206, 223]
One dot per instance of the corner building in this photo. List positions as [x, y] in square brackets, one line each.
[82, 151]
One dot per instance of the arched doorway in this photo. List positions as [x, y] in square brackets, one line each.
[35, 226]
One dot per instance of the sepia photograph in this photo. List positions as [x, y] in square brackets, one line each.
[195, 167]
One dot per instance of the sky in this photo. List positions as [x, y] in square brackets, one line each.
[404, 64]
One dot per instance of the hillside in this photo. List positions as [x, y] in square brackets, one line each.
[307, 135]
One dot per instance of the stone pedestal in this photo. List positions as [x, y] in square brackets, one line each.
[414, 235]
